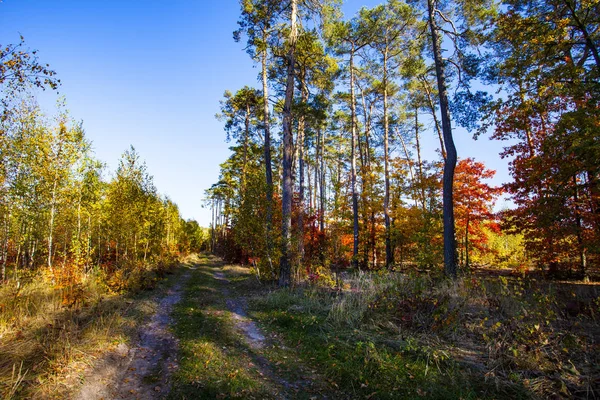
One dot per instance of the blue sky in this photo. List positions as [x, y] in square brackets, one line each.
[151, 74]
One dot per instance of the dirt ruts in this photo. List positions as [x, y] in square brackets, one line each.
[143, 370]
[256, 340]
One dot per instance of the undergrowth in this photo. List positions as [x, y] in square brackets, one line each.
[391, 335]
[53, 326]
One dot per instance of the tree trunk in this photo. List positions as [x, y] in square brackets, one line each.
[51, 223]
[213, 228]
[353, 161]
[435, 118]
[5, 246]
[419, 161]
[88, 251]
[413, 180]
[580, 241]
[16, 269]
[288, 154]
[312, 183]
[267, 155]
[451, 156]
[246, 142]
[300, 145]
[33, 250]
[467, 263]
[389, 254]
[322, 184]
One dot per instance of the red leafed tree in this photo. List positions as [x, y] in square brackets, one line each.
[473, 203]
[555, 170]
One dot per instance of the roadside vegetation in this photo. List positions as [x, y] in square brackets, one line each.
[387, 335]
[77, 248]
[47, 347]
[410, 335]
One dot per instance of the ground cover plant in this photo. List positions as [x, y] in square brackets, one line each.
[410, 335]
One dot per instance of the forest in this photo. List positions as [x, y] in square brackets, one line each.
[328, 158]
[351, 252]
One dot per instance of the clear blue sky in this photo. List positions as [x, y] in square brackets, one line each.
[151, 74]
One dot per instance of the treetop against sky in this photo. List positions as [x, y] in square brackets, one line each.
[151, 75]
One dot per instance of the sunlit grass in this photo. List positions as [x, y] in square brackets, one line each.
[213, 362]
[46, 346]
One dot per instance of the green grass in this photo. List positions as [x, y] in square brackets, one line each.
[213, 362]
[356, 362]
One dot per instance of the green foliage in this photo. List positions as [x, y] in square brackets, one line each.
[57, 211]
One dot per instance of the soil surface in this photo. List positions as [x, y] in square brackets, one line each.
[256, 340]
[143, 370]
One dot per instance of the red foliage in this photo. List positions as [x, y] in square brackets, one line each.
[473, 203]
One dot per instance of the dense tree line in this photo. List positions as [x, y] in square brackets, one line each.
[60, 210]
[327, 167]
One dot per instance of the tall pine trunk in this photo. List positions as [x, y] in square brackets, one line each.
[288, 154]
[301, 133]
[353, 161]
[451, 156]
[389, 256]
[322, 183]
[267, 155]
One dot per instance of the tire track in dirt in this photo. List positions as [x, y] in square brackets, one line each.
[143, 370]
[256, 340]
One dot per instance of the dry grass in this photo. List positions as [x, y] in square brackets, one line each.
[360, 291]
[46, 344]
[541, 336]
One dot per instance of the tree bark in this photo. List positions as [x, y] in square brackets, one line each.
[353, 161]
[451, 156]
[322, 183]
[435, 118]
[580, 240]
[246, 144]
[51, 223]
[267, 154]
[288, 154]
[419, 161]
[300, 145]
[467, 262]
[413, 180]
[389, 256]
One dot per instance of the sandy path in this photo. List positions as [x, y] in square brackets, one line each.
[142, 371]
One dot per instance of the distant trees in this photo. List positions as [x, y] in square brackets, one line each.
[473, 204]
[56, 210]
